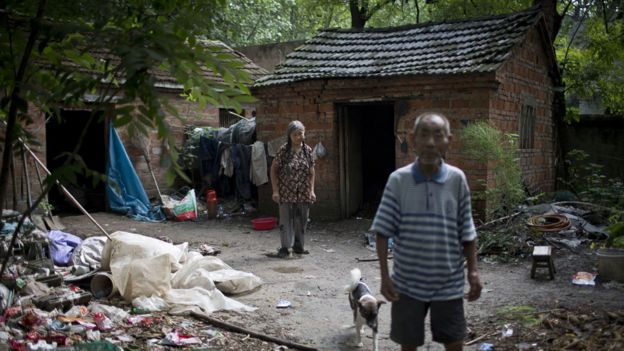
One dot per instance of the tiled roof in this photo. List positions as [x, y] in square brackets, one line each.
[164, 79]
[249, 66]
[468, 46]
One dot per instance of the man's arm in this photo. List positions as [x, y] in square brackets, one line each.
[387, 288]
[470, 251]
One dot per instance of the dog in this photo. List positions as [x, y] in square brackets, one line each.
[365, 307]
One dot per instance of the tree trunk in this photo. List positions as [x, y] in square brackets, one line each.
[358, 15]
[11, 126]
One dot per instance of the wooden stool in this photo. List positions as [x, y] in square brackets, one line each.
[542, 259]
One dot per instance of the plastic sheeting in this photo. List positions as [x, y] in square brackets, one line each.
[89, 253]
[143, 266]
[62, 246]
[125, 191]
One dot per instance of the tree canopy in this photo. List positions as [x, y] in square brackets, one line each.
[589, 43]
[54, 53]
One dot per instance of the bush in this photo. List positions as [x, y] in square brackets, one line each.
[587, 180]
[482, 141]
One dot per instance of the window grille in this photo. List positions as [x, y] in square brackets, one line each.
[527, 126]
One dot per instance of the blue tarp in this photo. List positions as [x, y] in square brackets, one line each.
[125, 191]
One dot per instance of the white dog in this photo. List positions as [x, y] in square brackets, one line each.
[365, 307]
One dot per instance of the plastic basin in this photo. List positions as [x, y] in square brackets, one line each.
[264, 223]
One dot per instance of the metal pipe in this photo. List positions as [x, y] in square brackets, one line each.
[69, 195]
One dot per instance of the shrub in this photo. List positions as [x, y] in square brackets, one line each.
[482, 141]
[587, 180]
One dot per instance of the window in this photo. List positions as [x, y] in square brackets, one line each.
[226, 119]
[527, 126]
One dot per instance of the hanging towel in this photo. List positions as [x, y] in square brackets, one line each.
[258, 164]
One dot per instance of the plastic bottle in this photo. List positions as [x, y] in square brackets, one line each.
[211, 203]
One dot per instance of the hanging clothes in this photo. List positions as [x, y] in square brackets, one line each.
[258, 174]
[241, 158]
[208, 155]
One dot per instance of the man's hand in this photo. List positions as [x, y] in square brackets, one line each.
[387, 290]
[475, 286]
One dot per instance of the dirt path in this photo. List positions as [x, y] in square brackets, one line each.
[314, 283]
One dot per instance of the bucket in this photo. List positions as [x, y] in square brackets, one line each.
[102, 285]
[611, 264]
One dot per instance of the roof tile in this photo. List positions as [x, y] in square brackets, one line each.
[476, 45]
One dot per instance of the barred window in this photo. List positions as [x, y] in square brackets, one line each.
[226, 119]
[527, 126]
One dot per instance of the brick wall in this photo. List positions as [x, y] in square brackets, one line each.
[497, 97]
[524, 78]
[194, 115]
[313, 103]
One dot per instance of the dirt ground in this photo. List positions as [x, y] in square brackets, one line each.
[313, 283]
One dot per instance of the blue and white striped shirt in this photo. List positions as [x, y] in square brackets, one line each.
[428, 220]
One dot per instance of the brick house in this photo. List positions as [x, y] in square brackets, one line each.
[55, 138]
[359, 91]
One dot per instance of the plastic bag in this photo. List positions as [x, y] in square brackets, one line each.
[151, 304]
[181, 210]
[319, 151]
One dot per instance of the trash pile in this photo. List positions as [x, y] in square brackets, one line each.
[563, 225]
[559, 328]
[58, 291]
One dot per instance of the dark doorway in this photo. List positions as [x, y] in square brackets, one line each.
[62, 137]
[367, 156]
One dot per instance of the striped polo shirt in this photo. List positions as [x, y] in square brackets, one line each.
[428, 220]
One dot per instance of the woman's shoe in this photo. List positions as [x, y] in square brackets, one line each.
[301, 251]
[283, 253]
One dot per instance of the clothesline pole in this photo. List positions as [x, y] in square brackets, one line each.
[67, 193]
[239, 116]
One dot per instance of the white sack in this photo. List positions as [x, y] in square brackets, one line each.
[184, 301]
[143, 277]
[137, 246]
[208, 271]
[142, 266]
[89, 253]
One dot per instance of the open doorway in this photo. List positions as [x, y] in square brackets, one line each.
[62, 137]
[367, 156]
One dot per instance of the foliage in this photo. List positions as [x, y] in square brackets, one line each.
[252, 22]
[616, 235]
[46, 207]
[482, 141]
[526, 315]
[54, 54]
[189, 151]
[589, 183]
[502, 244]
[591, 52]
[461, 9]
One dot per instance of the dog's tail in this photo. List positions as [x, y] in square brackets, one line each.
[356, 275]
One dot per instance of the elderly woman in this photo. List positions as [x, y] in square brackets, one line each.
[292, 179]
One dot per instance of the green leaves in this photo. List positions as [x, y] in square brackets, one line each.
[114, 57]
[503, 191]
[590, 51]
